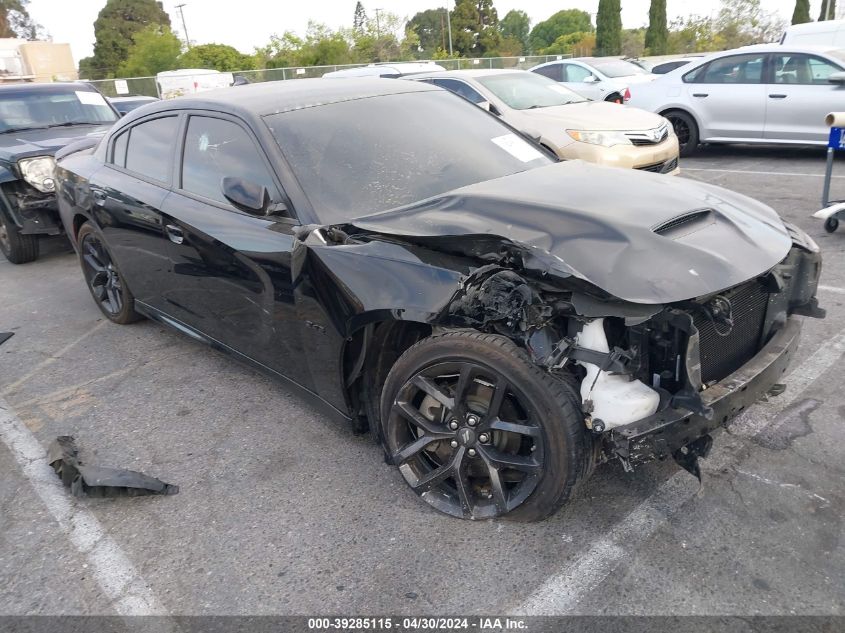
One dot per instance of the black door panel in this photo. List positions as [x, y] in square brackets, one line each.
[232, 281]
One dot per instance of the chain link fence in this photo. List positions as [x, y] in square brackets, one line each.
[148, 86]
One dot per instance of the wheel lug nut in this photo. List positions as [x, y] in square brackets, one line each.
[453, 425]
[454, 443]
[471, 452]
[472, 420]
[484, 438]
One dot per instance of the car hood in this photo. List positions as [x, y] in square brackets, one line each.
[15, 145]
[594, 115]
[598, 224]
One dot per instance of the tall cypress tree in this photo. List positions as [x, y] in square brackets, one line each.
[828, 11]
[657, 34]
[801, 14]
[609, 28]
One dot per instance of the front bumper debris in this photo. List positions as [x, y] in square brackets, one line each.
[667, 431]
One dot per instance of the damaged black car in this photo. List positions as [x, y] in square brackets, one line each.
[500, 321]
[35, 121]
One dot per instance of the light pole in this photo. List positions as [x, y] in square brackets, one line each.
[378, 27]
[449, 26]
[184, 28]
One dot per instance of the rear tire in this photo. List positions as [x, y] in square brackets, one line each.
[831, 224]
[16, 247]
[513, 442]
[102, 276]
[615, 98]
[686, 129]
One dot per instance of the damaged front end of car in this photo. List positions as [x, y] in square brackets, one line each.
[655, 379]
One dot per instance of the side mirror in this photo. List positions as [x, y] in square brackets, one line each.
[484, 105]
[590, 79]
[836, 78]
[240, 80]
[245, 195]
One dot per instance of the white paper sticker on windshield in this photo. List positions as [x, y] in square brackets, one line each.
[516, 147]
[90, 98]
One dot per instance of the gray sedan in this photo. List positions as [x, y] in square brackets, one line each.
[755, 94]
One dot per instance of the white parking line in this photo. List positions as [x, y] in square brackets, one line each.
[562, 592]
[114, 572]
[754, 173]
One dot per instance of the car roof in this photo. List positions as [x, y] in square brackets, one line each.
[56, 86]
[470, 72]
[131, 98]
[776, 47]
[273, 97]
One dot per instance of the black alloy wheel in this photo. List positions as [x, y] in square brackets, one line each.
[103, 278]
[473, 438]
[831, 224]
[686, 130]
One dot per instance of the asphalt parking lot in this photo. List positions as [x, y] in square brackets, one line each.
[282, 511]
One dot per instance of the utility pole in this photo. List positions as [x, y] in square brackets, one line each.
[378, 26]
[184, 28]
[449, 24]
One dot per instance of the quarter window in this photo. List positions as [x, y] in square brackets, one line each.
[215, 149]
[460, 88]
[149, 148]
[552, 71]
[734, 69]
[119, 151]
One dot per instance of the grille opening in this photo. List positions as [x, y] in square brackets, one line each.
[723, 355]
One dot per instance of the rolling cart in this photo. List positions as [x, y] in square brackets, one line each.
[832, 210]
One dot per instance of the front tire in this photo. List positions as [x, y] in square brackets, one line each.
[831, 224]
[102, 276]
[16, 247]
[479, 431]
[686, 129]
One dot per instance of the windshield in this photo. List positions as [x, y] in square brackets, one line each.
[618, 68]
[33, 109]
[368, 155]
[522, 91]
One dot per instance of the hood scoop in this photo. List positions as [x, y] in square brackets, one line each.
[692, 220]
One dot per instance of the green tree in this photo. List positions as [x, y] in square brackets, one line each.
[475, 27]
[360, 19]
[561, 23]
[430, 27]
[657, 35]
[154, 50]
[828, 10]
[15, 21]
[609, 28]
[801, 14]
[744, 22]
[577, 44]
[216, 57]
[633, 42]
[516, 25]
[114, 32]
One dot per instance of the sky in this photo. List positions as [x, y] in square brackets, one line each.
[246, 24]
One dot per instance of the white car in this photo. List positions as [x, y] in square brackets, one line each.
[385, 70]
[596, 78]
[767, 93]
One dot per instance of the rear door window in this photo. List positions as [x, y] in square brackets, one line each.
[150, 148]
[734, 69]
[460, 88]
[575, 73]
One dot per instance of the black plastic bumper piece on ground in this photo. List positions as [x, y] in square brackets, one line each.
[660, 435]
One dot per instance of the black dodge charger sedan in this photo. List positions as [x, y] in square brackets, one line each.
[501, 321]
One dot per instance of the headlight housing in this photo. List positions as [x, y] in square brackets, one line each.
[607, 139]
[39, 172]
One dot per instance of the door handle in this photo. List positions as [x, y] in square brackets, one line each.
[174, 233]
[99, 197]
[777, 96]
[700, 95]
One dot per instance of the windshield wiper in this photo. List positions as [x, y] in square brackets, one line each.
[26, 128]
